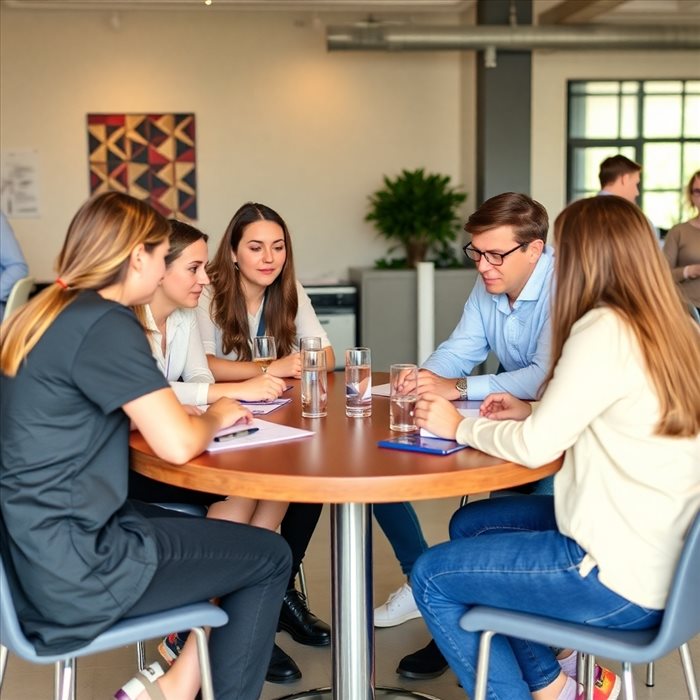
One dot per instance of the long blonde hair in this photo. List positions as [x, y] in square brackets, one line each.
[95, 254]
[607, 255]
[228, 304]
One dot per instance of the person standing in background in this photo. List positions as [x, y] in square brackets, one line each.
[13, 266]
[682, 248]
[620, 176]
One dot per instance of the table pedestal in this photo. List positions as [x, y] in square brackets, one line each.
[353, 612]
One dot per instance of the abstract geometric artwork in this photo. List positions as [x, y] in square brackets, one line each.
[149, 156]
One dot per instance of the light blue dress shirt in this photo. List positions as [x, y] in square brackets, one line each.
[518, 336]
[13, 266]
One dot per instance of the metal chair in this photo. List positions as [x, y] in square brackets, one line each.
[126, 631]
[680, 623]
[18, 295]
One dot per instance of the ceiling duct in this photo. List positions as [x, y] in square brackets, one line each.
[376, 37]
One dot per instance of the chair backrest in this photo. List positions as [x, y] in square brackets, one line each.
[11, 634]
[681, 620]
[18, 295]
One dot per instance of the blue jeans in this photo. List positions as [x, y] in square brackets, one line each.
[401, 527]
[508, 553]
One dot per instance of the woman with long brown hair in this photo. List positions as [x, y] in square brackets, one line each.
[76, 369]
[254, 292]
[622, 400]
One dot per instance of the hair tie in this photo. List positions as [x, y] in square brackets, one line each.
[61, 283]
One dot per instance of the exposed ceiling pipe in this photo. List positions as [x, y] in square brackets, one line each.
[376, 37]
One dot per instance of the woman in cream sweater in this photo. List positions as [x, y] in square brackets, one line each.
[622, 401]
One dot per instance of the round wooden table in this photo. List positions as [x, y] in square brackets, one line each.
[341, 465]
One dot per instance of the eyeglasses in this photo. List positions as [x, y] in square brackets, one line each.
[495, 259]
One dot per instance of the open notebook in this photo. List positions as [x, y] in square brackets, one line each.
[265, 434]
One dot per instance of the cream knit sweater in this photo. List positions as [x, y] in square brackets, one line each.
[625, 495]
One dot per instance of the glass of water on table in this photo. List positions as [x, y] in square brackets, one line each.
[358, 383]
[403, 382]
[314, 384]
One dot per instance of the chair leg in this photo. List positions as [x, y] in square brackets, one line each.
[482, 668]
[65, 680]
[580, 666]
[204, 665]
[140, 655]
[650, 675]
[302, 581]
[57, 675]
[590, 676]
[689, 672]
[3, 663]
[628, 681]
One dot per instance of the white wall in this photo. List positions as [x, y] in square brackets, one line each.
[550, 72]
[279, 119]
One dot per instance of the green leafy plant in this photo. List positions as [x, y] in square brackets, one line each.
[419, 212]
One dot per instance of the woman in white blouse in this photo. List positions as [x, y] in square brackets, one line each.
[254, 292]
[173, 332]
[622, 401]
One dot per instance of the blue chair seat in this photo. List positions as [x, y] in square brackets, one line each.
[125, 631]
[679, 624]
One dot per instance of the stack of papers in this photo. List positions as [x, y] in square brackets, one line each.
[265, 434]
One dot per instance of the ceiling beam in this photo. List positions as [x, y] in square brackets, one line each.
[577, 11]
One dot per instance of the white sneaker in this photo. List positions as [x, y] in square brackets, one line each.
[399, 608]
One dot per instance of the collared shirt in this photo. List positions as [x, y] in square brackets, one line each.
[13, 266]
[518, 336]
[184, 357]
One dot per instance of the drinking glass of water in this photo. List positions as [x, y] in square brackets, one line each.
[358, 383]
[310, 342]
[403, 382]
[314, 384]
[264, 351]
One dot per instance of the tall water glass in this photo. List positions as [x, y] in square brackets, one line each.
[314, 384]
[403, 383]
[358, 383]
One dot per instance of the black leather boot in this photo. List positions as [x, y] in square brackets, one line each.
[427, 662]
[282, 668]
[301, 623]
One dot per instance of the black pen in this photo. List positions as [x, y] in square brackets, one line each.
[238, 433]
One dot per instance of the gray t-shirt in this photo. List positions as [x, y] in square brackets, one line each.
[82, 556]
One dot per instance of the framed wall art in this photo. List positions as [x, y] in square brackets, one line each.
[149, 156]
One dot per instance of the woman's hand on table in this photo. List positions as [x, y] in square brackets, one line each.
[265, 387]
[437, 415]
[287, 366]
[229, 412]
[503, 406]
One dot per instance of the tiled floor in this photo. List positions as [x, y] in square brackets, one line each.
[99, 676]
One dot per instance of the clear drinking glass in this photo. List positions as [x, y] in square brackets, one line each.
[264, 351]
[358, 383]
[314, 384]
[403, 383]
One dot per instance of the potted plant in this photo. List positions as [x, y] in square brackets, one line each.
[419, 211]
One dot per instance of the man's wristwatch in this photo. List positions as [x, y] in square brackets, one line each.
[461, 386]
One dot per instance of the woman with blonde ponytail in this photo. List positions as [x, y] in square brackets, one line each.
[622, 401]
[76, 369]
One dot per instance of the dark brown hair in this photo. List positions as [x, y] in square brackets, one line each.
[182, 235]
[615, 167]
[527, 217]
[228, 304]
[608, 256]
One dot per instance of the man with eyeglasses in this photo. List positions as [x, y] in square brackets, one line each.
[507, 313]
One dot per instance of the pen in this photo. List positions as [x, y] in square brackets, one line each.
[238, 433]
